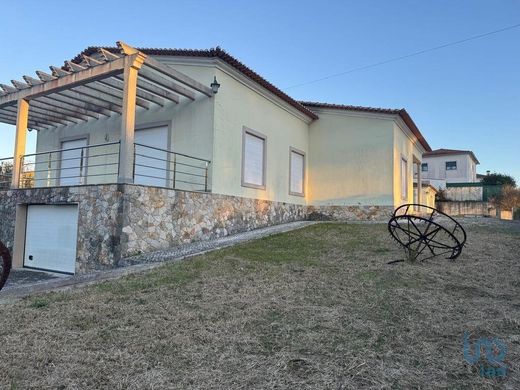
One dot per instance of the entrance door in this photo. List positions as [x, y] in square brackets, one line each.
[151, 164]
[50, 238]
[72, 165]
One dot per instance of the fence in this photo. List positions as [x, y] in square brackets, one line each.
[6, 169]
[163, 168]
[93, 164]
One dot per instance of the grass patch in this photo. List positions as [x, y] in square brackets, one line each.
[309, 309]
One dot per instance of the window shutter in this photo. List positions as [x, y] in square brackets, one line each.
[297, 169]
[254, 160]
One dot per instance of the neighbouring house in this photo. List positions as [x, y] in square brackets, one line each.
[144, 149]
[443, 166]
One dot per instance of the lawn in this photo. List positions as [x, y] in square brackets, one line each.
[316, 308]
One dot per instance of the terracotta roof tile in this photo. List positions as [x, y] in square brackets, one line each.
[216, 52]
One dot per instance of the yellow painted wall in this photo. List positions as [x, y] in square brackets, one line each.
[408, 148]
[350, 159]
[236, 106]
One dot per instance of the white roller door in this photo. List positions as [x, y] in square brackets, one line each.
[50, 237]
[150, 163]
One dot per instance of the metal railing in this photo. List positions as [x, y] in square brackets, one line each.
[92, 164]
[164, 168]
[6, 172]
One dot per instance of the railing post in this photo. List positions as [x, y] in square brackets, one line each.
[174, 169]
[81, 166]
[206, 178]
[49, 168]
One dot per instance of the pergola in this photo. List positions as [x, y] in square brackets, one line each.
[101, 85]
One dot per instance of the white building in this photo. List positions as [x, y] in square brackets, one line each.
[442, 166]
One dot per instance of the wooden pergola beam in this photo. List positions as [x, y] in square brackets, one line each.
[57, 110]
[114, 95]
[119, 86]
[11, 120]
[149, 75]
[87, 98]
[9, 115]
[154, 89]
[89, 108]
[66, 81]
[66, 108]
[37, 114]
[178, 76]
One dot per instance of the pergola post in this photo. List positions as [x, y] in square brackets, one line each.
[126, 151]
[419, 182]
[22, 120]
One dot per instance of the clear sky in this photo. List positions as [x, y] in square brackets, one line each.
[463, 97]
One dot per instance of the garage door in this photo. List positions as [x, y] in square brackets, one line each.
[50, 238]
[150, 163]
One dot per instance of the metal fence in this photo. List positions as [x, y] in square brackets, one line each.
[92, 164]
[6, 169]
[163, 168]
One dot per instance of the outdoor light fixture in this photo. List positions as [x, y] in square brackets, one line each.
[215, 85]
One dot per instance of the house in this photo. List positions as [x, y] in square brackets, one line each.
[144, 149]
[443, 166]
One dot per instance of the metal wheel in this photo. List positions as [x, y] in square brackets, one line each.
[5, 264]
[424, 232]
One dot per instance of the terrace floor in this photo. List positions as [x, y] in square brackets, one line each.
[313, 308]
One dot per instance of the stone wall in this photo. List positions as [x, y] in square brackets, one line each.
[158, 218]
[467, 208]
[349, 213]
[118, 221]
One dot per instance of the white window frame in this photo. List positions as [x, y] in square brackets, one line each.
[404, 178]
[301, 153]
[245, 132]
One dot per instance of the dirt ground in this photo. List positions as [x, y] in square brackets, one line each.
[317, 308]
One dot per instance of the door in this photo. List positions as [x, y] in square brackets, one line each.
[151, 164]
[50, 237]
[73, 165]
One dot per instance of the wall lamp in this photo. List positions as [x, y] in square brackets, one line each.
[215, 85]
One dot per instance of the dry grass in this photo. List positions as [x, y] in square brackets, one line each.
[311, 309]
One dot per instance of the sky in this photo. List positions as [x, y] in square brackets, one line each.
[464, 96]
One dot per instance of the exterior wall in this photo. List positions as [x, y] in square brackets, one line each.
[117, 221]
[350, 160]
[464, 193]
[407, 147]
[467, 208]
[466, 171]
[238, 105]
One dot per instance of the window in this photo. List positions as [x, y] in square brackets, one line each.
[296, 172]
[253, 159]
[451, 165]
[404, 178]
[424, 167]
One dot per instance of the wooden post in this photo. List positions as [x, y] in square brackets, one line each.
[419, 182]
[22, 119]
[126, 156]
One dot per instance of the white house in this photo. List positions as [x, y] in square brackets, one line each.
[443, 166]
[144, 149]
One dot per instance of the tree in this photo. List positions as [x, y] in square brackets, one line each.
[494, 179]
[508, 198]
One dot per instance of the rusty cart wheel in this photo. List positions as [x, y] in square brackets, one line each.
[5, 264]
